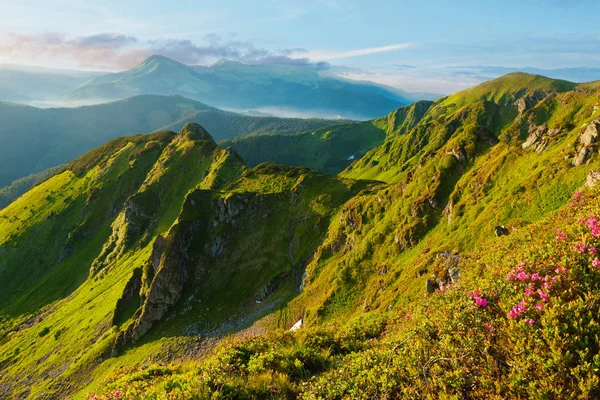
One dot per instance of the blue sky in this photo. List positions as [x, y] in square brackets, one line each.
[402, 43]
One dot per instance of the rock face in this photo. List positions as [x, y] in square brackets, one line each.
[171, 275]
[587, 142]
[528, 102]
[125, 229]
[540, 138]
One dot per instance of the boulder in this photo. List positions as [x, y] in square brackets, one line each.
[539, 138]
[501, 230]
[525, 103]
[449, 261]
[592, 178]
[587, 142]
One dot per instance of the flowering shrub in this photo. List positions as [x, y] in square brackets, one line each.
[530, 329]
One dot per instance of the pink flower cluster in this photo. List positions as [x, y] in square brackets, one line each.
[560, 235]
[478, 298]
[536, 291]
[592, 223]
[517, 310]
[577, 196]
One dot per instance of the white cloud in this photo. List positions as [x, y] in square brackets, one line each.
[324, 55]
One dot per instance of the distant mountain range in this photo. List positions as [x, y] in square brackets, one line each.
[34, 139]
[485, 72]
[282, 90]
[36, 86]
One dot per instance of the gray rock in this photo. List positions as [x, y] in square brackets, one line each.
[592, 178]
[587, 142]
[450, 261]
[540, 138]
[528, 102]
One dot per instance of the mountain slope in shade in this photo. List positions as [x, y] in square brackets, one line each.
[283, 89]
[153, 248]
[33, 139]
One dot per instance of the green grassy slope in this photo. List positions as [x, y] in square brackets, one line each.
[87, 235]
[204, 247]
[9, 193]
[332, 149]
[327, 150]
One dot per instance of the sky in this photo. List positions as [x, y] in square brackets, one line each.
[435, 46]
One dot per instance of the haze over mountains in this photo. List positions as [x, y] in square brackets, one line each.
[34, 139]
[39, 86]
[273, 89]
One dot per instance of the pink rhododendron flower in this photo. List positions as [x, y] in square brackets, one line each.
[581, 247]
[596, 262]
[539, 306]
[516, 310]
[592, 250]
[530, 321]
[560, 235]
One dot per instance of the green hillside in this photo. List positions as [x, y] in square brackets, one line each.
[457, 259]
[331, 149]
[33, 139]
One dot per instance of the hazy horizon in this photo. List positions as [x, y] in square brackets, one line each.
[421, 48]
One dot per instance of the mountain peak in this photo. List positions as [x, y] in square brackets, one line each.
[224, 61]
[194, 131]
[157, 57]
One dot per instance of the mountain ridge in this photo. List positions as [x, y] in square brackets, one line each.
[264, 87]
[50, 137]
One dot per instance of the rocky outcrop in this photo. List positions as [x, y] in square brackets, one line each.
[588, 141]
[229, 209]
[131, 294]
[125, 230]
[168, 283]
[540, 137]
[449, 273]
[593, 178]
[528, 102]
[460, 154]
